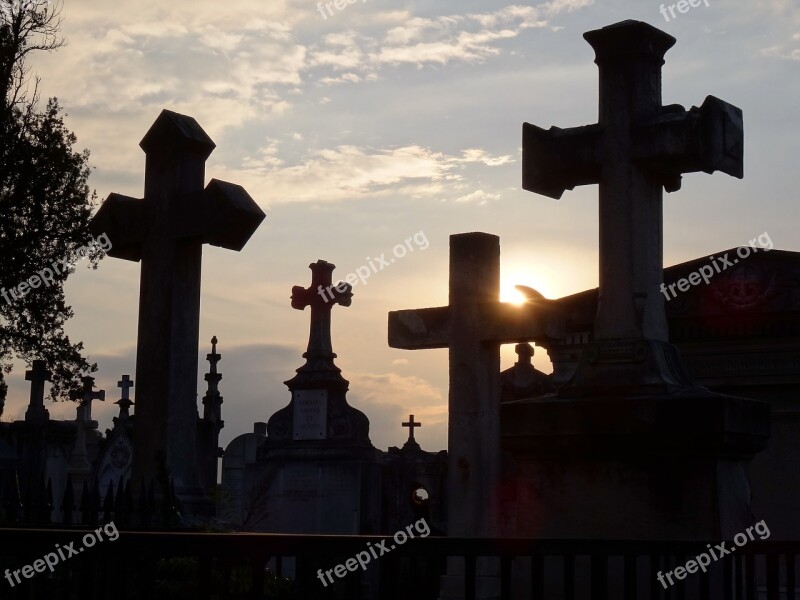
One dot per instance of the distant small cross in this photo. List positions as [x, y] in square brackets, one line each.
[411, 424]
[126, 384]
[86, 395]
[37, 376]
[125, 402]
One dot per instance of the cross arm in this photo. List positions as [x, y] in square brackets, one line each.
[709, 138]
[533, 322]
[419, 329]
[555, 160]
[499, 322]
[222, 215]
[121, 218]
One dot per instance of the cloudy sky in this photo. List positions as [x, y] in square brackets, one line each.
[356, 129]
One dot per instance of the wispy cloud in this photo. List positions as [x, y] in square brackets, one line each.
[350, 172]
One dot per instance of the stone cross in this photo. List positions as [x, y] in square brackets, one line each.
[86, 395]
[473, 327]
[125, 402]
[79, 466]
[321, 296]
[412, 425]
[638, 148]
[166, 231]
[37, 376]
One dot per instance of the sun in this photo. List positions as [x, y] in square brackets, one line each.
[513, 296]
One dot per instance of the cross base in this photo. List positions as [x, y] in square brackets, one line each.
[37, 414]
[646, 467]
[618, 368]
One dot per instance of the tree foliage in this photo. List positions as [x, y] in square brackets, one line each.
[45, 203]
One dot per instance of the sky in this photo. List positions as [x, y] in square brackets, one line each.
[357, 129]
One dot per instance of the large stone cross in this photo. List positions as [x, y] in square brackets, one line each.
[166, 230]
[473, 327]
[38, 374]
[638, 148]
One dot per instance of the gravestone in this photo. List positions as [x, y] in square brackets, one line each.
[79, 464]
[473, 327]
[115, 461]
[36, 412]
[317, 471]
[632, 447]
[166, 231]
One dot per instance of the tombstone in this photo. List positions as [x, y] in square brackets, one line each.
[116, 460]
[235, 503]
[632, 447]
[316, 471]
[473, 327]
[36, 412]
[414, 484]
[166, 231]
[79, 459]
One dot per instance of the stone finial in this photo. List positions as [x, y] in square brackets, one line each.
[212, 401]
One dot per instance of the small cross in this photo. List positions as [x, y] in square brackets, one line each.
[126, 384]
[411, 424]
[125, 402]
[86, 395]
[37, 376]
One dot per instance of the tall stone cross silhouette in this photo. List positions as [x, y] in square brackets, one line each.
[166, 231]
[38, 374]
[321, 296]
[637, 149]
[473, 327]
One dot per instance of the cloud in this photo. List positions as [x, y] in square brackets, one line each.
[350, 172]
[388, 399]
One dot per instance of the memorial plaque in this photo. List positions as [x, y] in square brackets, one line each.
[310, 414]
